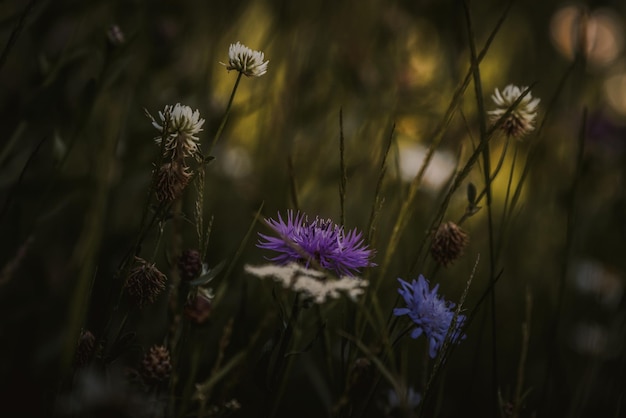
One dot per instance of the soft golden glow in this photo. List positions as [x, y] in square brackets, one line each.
[615, 90]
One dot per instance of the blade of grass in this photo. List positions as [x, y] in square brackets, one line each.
[464, 172]
[15, 33]
[445, 350]
[533, 148]
[293, 188]
[381, 176]
[519, 386]
[220, 129]
[484, 142]
[231, 266]
[402, 218]
[343, 179]
[567, 255]
[85, 254]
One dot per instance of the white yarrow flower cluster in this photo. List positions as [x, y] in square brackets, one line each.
[248, 62]
[521, 120]
[179, 125]
[314, 284]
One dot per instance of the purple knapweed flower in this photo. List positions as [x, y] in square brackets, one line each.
[322, 240]
[431, 314]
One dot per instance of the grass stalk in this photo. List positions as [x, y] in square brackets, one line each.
[565, 261]
[519, 386]
[343, 177]
[220, 129]
[402, 218]
[484, 142]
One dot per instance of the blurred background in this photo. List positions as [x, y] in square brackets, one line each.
[77, 152]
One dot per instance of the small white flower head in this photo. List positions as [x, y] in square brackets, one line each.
[521, 120]
[248, 62]
[314, 284]
[115, 36]
[179, 126]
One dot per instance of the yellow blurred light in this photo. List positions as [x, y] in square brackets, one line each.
[424, 58]
[615, 91]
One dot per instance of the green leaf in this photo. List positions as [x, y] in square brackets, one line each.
[210, 275]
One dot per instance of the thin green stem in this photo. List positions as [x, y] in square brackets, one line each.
[402, 218]
[293, 187]
[505, 220]
[487, 176]
[280, 364]
[565, 262]
[493, 177]
[381, 176]
[158, 243]
[533, 148]
[343, 176]
[15, 33]
[218, 134]
[519, 386]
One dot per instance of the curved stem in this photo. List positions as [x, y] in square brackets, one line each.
[225, 118]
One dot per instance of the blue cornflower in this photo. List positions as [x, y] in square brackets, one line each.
[323, 241]
[431, 314]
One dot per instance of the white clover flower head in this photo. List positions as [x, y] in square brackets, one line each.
[248, 62]
[521, 120]
[179, 126]
[312, 283]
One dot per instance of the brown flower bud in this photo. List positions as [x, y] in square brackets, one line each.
[156, 365]
[145, 282]
[190, 265]
[85, 349]
[448, 243]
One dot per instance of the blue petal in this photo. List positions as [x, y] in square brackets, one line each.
[415, 334]
[401, 311]
[432, 352]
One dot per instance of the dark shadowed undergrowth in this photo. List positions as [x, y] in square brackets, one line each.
[318, 208]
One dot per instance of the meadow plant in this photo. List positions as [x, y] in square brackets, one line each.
[320, 242]
[246, 61]
[448, 243]
[432, 315]
[521, 120]
[145, 282]
[312, 283]
[182, 295]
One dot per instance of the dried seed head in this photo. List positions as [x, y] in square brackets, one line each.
[172, 179]
[156, 366]
[85, 349]
[198, 309]
[448, 243]
[145, 282]
[190, 265]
